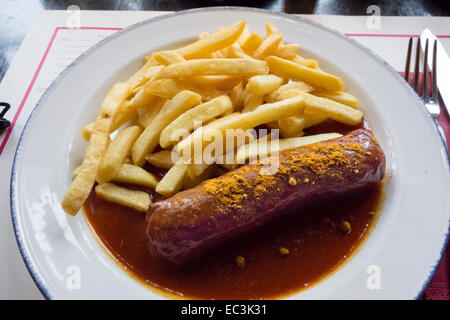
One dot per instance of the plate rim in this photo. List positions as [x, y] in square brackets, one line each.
[20, 239]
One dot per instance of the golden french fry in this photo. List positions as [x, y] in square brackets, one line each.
[270, 28]
[228, 158]
[172, 181]
[341, 97]
[287, 51]
[235, 51]
[212, 43]
[139, 77]
[263, 114]
[123, 117]
[137, 200]
[244, 35]
[162, 159]
[130, 173]
[168, 57]
[315, 77]
[201, 113]
[143, 97]
[251, 101]
[151, 72]
[251, 43]
[81, 186]
[76, 171]
[196, 169]
[291, 127]
[281, 92]
[87, 131]
[173, 108]
[262, 85]
[334, 110]
[261, 148]
[168, 88]
[231, 143]
[118, 150]
[268, 46]
[221, 54]
[212, 67]
[253, 150]
[237, 96]
[311, 119]
[220, 82]
[149, 113]
[306, 62]
[203, 35]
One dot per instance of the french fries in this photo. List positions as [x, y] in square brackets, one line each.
[291, 127]
[223, 83]
[341, 97]
[287, 51]
[251, 43]
[81, 186]
[268, 46]
[168, 88]
[334, 110]
[231, 83]
[214, 42]
[162, 159]
[201, 113]
[149, 138]
[139, 77]
[87, 131]
[251, 101]
[235, 51]
[118, 150]
[129, 173]
[173, 180]
[262, 85]
[150, 112]
[168, 57]
[263, 114]
[215, 67]
[306, 62]
[297, 71]
[280, 93]
[137, 200]
[260, 149]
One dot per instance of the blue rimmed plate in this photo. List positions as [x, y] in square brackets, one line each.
[66, 260]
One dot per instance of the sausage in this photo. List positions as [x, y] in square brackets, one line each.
[189, 223]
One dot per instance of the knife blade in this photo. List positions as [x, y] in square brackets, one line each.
[442, 65]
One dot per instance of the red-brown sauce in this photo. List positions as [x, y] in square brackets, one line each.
[316, 244]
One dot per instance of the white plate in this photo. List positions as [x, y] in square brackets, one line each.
[406, 244]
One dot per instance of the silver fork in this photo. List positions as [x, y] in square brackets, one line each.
[430, 102]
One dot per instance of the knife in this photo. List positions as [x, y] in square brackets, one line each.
[442, 65]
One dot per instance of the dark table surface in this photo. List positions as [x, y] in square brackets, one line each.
[16, 16]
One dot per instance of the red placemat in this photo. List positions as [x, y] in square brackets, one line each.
[439, 286]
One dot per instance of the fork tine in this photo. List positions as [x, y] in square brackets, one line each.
[417, 66]
[434, 89]
[425, 94]
[408, 59]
